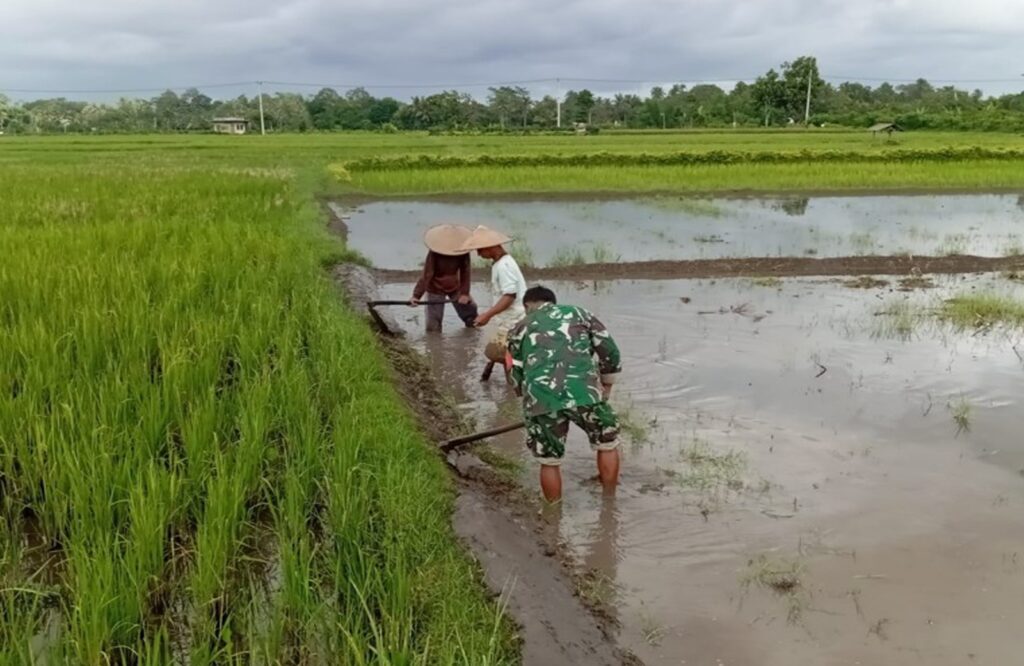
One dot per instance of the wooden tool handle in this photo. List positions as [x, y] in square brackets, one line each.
[477, 436]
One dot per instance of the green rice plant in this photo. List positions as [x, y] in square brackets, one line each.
[982, 310]
[897, 319]
[1014, 248]
[754, 177]
[953, 244]
[567, 256]
[603, 254]
[205, 439]
[862, 242]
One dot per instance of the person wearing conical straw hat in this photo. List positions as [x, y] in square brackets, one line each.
[507, 286]
[446, 275]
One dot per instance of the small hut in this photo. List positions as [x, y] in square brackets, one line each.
[888, 128]
[230, 125]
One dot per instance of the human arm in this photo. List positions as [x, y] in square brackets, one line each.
[609, 358]
[425, 278]
[515, 351]
[504, 303]
[465, 278]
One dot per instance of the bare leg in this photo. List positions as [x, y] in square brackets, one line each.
[551, 482]
[488, 369]
[608, 469]
[435, 312]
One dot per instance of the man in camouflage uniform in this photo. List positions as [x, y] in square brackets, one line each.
[553, 369]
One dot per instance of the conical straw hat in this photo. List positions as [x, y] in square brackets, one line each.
[482, 237]
[447, 239]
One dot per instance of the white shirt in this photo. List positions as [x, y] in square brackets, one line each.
[506, 278]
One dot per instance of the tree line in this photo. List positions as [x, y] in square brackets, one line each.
[794, 93]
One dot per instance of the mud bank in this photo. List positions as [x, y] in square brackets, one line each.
[522, 559]
[755, 267]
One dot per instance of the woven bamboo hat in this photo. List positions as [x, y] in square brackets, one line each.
[447, 239]
[482, 237]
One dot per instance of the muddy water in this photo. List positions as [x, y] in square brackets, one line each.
[846, 462]
[558, 232]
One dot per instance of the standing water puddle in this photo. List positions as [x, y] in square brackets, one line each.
[798, 486]
[551, 233]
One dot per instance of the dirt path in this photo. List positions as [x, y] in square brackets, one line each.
[755, 267]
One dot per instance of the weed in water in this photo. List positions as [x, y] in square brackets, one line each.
[953, 244]
[651, 629]
[982, 311]
[862, 242]
[783, 577]
[596, 588]
[633, 425]
[708, 470]
[769, 282]
[866, 282]
[687, 205]
[961, 412]
[603, 254]
[567, 256]
[509, 468]
[897, 320]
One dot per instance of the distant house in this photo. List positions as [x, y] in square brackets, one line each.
[230, 125]
[888, 128]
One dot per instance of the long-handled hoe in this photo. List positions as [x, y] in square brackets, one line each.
[454, 443]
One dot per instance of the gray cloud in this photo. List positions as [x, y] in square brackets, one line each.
[124, 44]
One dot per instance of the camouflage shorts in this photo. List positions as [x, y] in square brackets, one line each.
[546, 433]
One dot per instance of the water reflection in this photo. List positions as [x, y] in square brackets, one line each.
[565, 232]
[793, 206]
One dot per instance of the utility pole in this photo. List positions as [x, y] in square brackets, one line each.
[558, 102]
[807, 107]
[263, 127]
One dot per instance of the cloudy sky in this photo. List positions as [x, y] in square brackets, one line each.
[115, 45]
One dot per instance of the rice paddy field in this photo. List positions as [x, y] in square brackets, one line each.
[199, 461]
[202, 457]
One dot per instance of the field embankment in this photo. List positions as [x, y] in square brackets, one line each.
[715, 170]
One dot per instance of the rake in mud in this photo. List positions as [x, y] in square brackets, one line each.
[454, 443]
[372, 305]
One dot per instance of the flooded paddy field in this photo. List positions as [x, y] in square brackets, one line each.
[558, 233]
[812, 474]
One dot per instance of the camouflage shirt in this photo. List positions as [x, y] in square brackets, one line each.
[553, 364]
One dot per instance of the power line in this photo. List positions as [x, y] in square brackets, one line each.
[123, 91]
[389, 86]
[650, 80]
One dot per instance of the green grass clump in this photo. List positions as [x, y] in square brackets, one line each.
[200, 434]
[961, 412]
[983, 311]
[898, 320]
[784, 577]
[710, 470]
